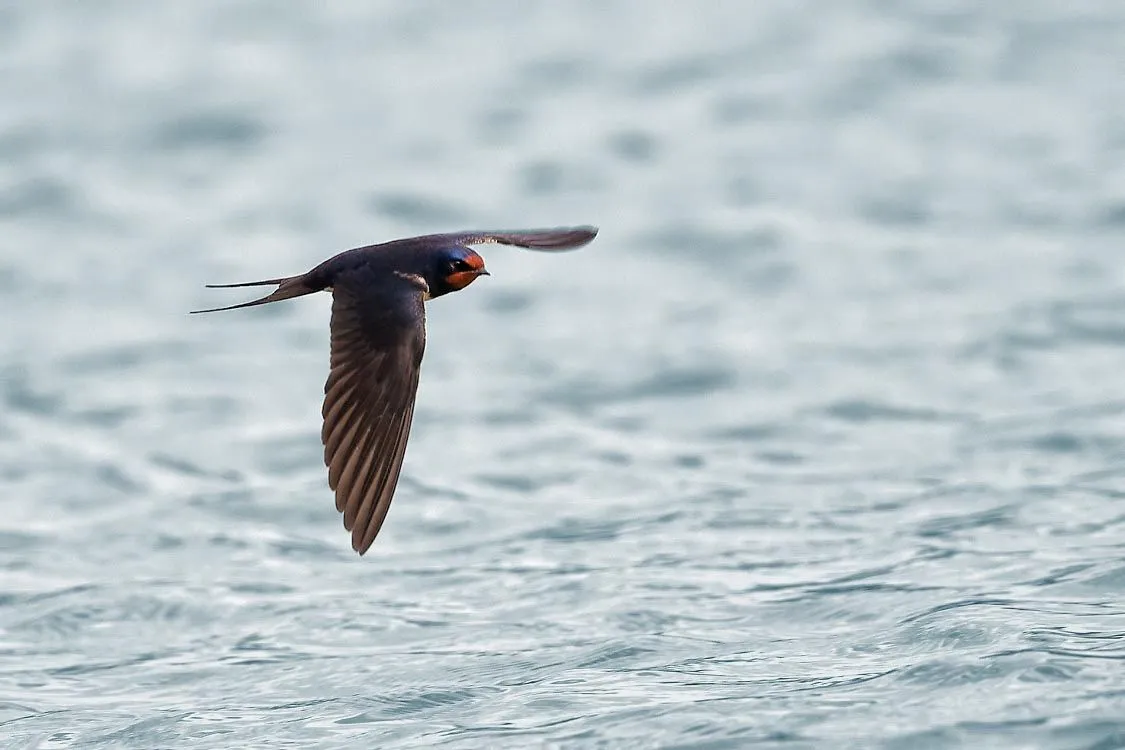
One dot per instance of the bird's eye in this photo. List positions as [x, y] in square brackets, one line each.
[460, 265]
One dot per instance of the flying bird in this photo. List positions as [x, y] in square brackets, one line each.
[378, 332]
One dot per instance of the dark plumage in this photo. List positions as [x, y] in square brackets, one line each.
[378, 331]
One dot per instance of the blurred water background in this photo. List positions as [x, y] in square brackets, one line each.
[821, 444]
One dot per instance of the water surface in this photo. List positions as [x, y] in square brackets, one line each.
[820, 444]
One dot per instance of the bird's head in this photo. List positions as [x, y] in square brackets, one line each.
[453, 269]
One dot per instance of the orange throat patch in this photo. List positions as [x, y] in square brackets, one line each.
[461, 279]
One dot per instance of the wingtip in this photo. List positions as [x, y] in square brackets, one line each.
[359, 547]
[587, 232]
[561, 238]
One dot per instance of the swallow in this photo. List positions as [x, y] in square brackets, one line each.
[378, 335]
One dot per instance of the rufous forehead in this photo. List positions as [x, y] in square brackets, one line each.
[474, 261]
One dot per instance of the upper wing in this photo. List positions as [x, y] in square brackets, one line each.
[562, 238]
[550, 240]
[369, 403]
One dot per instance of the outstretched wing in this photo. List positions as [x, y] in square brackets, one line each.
[377, 348]
[551, 240]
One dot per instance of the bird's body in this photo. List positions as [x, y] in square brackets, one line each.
[378, 331]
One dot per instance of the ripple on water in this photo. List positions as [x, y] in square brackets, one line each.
[818, 445]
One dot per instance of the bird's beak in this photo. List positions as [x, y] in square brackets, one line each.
[483, 272]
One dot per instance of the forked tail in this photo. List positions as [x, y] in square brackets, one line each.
[289, 287]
